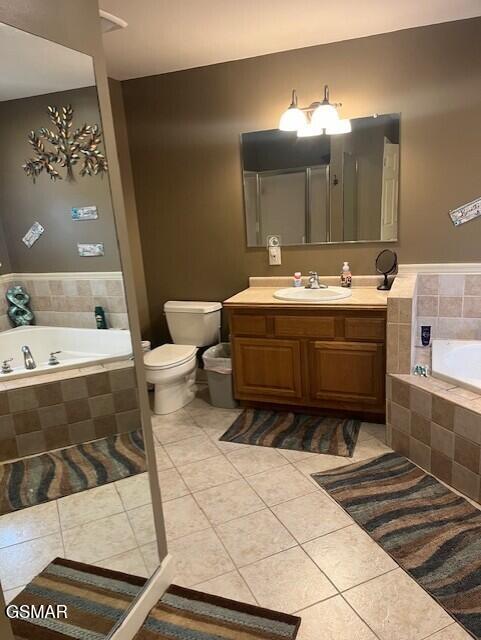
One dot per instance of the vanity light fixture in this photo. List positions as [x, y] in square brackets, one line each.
[314, 120]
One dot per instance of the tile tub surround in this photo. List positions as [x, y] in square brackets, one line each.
[69, 299]
[438, 426]
[401, 316]
[451, 305]
[38, 417]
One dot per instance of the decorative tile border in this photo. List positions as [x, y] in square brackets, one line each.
[67, 410]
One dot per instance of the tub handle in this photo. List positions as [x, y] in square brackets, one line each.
[6, 368]
[53, 360]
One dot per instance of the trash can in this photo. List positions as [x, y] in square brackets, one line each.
[218, 367]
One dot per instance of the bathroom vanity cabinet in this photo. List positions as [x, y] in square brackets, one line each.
[330, 359]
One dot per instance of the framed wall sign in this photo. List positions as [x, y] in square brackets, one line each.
[466, 212]
[84, 213]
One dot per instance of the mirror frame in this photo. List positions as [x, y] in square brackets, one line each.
[49, 23]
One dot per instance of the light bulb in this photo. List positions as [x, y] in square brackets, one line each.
[292, 119]
[325, 116]
[308, 130]
[341, 126]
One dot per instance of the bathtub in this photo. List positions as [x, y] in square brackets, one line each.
[459, 362]
[78, 348]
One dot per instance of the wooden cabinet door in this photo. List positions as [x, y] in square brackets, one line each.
[267, 368]
[347, 372]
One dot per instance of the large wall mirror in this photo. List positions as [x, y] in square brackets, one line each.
[323, 189]
[74, 485]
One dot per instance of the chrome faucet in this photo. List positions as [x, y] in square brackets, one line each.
[313, 281]
[28, 358]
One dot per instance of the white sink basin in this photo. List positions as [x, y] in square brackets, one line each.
[316, 296]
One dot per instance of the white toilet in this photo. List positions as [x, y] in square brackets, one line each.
[171, 368]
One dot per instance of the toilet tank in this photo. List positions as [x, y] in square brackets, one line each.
[196, 323]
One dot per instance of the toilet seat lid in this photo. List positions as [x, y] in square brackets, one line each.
[169, 355]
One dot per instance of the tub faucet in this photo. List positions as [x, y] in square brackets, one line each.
[28, 358]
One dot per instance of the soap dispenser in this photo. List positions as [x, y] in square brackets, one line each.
[346, 275]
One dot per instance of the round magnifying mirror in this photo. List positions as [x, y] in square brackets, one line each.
[386, 263]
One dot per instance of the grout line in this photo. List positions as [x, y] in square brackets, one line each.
[60, 526]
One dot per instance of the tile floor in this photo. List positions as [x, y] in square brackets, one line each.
[244, 522]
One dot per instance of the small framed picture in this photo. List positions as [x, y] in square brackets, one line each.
[84, 213]
[91, 250]
[466, 212]
[33, 234]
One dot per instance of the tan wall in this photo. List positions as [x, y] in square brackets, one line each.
[22, 202]
[130, 204]
[184, 138]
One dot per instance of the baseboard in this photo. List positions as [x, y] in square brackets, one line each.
[154, 590]
[447, 267]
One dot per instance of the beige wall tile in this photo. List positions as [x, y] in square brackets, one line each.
[472, 307]
[400, 417]
[428, 284]
[392, 348]
[405, 310]
[420, 453]
[405, 351]
[442, 440]
[466, 481]
[421, 402]
[467, 454]
[467, 424]
[443, 412]
[441, 466]
[421, 428]
[472, 285]
[450, 306]
[427, 305]
[393, 309]
[451, 285]
[400, 392]
[400, 441]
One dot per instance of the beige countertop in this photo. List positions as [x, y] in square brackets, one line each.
[264, 296]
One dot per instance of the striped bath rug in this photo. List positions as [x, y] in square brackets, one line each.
[286, 430]
[184, 614]
[95, 600]
[56, 474]
[431, 532]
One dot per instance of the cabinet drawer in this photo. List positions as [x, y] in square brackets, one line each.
[304, 326]
[248, 325]
[364, 329]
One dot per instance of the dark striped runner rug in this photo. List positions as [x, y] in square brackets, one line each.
[56, 474]
[431, 532]
[286, 430]
[184, 614]
[95, 600]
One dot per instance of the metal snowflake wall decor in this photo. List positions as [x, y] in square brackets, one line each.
[67, 148]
